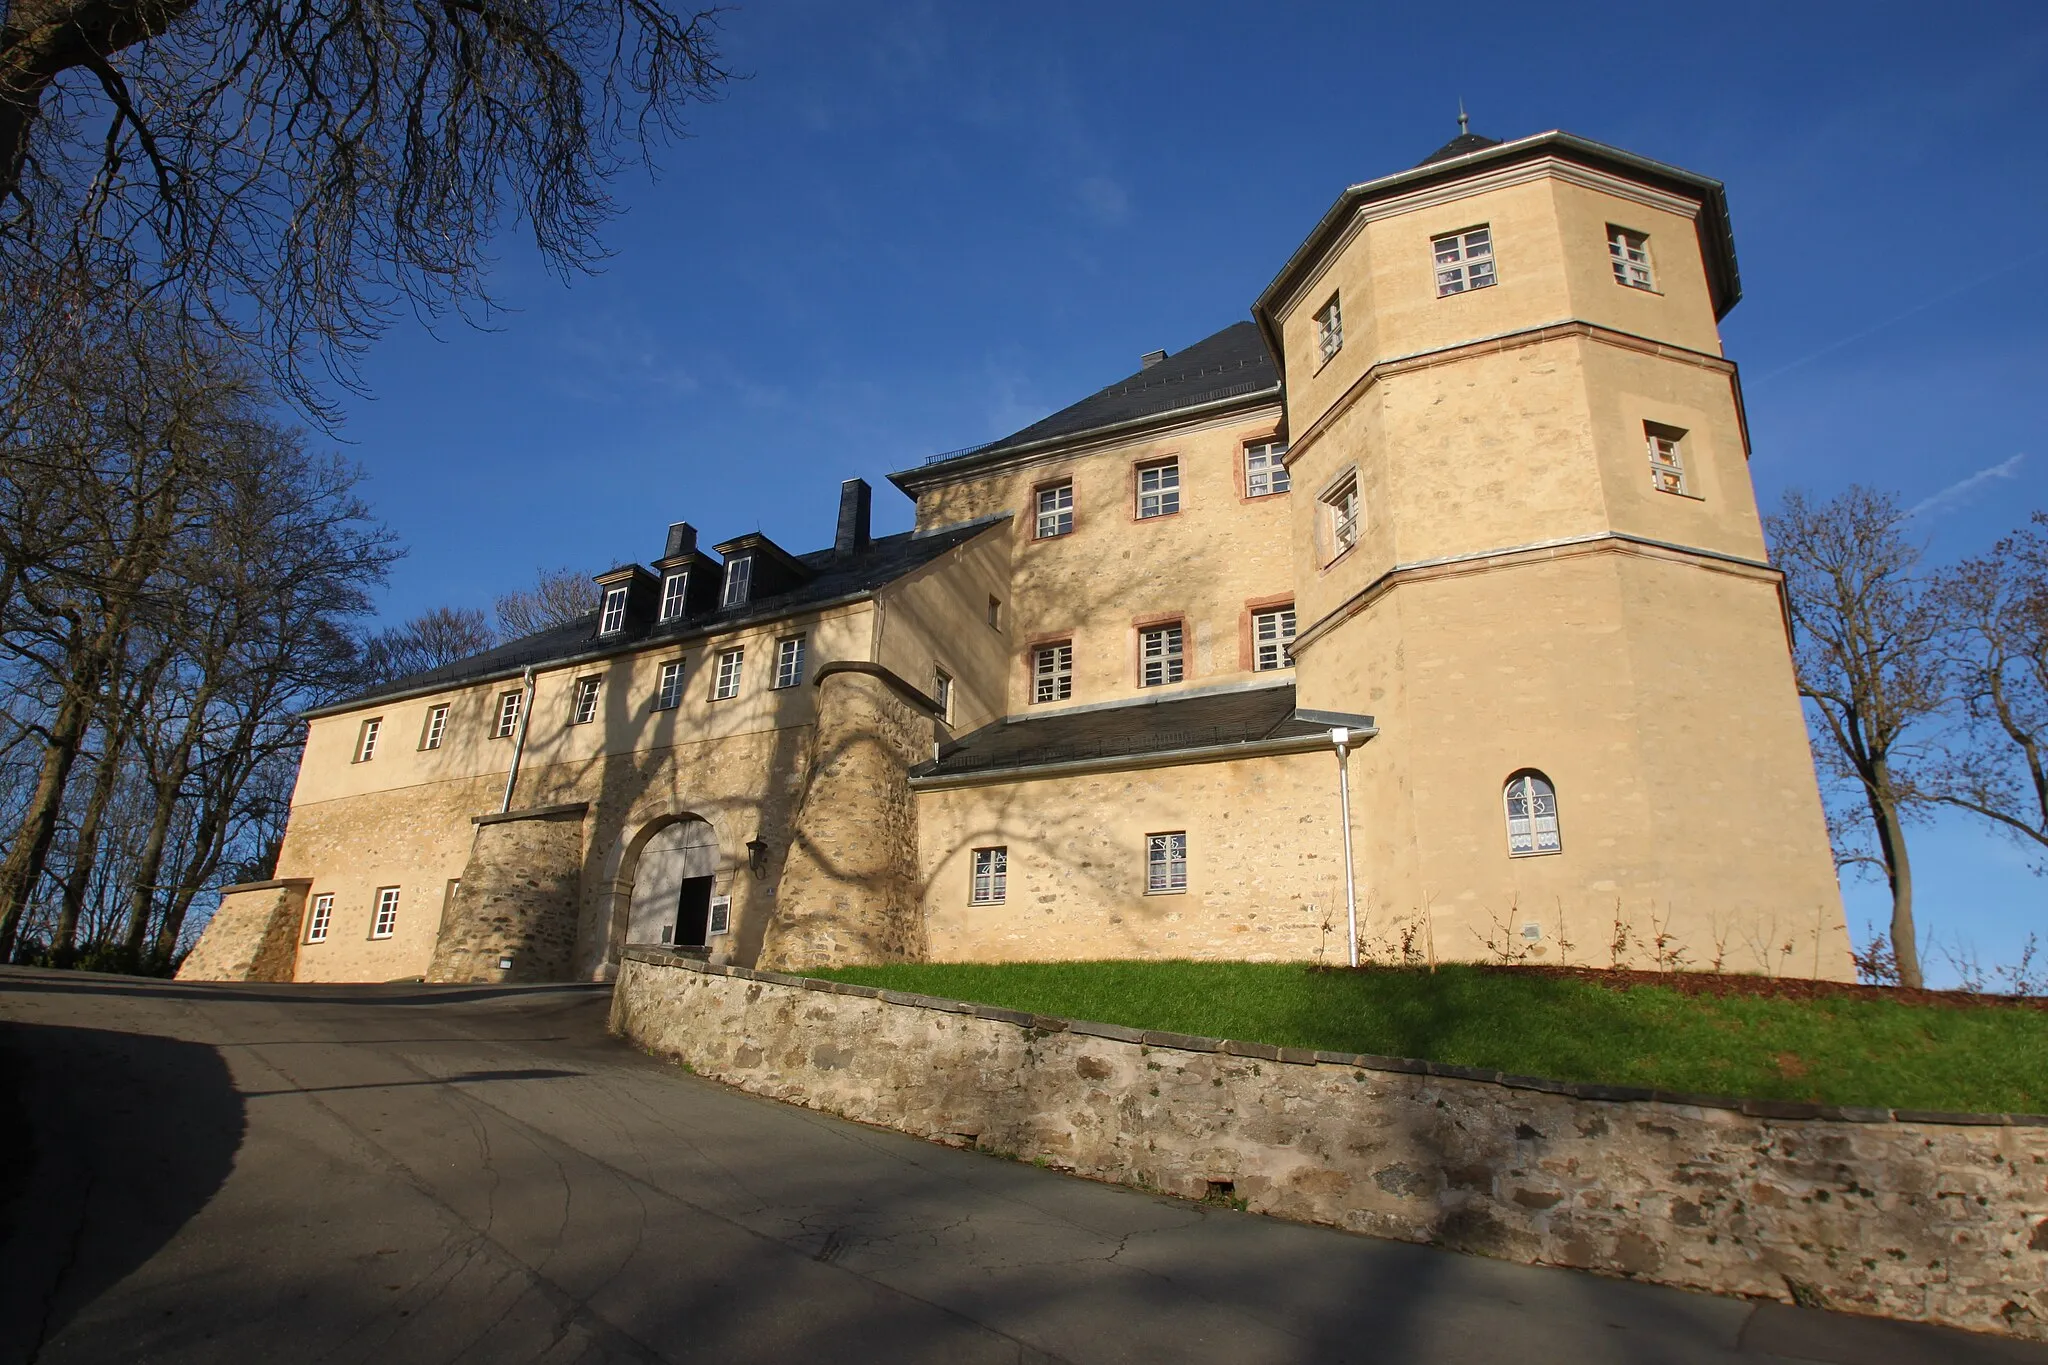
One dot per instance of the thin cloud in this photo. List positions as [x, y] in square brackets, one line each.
[1957, 493]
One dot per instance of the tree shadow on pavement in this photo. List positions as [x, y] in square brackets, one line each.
[109, 1143]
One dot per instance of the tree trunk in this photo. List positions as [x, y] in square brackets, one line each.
[64, 942]
[30, 847]
[1898, 870]
[149, 865]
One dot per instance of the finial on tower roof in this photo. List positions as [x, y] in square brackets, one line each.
[1464, 122]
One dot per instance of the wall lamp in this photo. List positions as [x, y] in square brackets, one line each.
[757, 856]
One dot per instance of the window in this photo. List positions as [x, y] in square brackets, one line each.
[1265, 469]
[991, 872]
[614, 618]
[1273, 639]
[739, 580]
[1159, 656]
[1630, 253]
[1052, 672]
[508, 714]
[387, 913]
[586, 701]
[668, 693]
[437, 726]
[322, 916]
[789, 661]
[1339, 516]
[1056, 510]
[1532, 815]
[1464, 260]
[995, 613]
[673, 589]
[1159, 489]
[1329, 329]
[1667, 458]
[942, 693]
[1166, 863]
[366, 739]
[727, 684]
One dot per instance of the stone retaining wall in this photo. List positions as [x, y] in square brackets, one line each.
[1936, 1217]
[253, 935]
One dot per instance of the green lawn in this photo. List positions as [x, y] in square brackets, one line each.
[1834, 1051]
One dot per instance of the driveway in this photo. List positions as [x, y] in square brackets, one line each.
[399, 1174]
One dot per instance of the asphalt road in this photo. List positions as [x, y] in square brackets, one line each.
[399, 1174]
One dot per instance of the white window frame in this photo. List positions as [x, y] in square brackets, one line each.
[1464, 260]
[988, 882]
[789, 661]
[668, 688]
[725, 683]
[320, 918]
[1162, 654]
[384, 922]
[674, 589]
[584, 709]
[1628, 252]
[613, 619]
[739, 581]
[1529, 801]
[1666, 448]
[1265, 469]
[1055, 504]
[942, 693]
[1052, 672]
[1341, 513]
[366, 739]
[1158, 488]
[1329, 329]
[509, 704]
[1272, 638]
[1166, 863]
[437, 726]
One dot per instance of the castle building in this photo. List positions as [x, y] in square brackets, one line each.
[1476, 468]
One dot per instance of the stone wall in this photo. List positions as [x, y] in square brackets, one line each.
[849, 890]
[253, 936]
[514, 916]
[1931, 1217]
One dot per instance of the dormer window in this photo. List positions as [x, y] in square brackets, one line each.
[739, 580]
[613, 619]
[673, 589]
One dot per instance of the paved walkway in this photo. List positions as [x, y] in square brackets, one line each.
[399, 1174]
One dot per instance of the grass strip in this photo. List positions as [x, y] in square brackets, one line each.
[1831, 1051]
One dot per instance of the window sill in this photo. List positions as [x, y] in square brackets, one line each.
[1182, 892]
[1639, 288]
[1156, 516]
[1537, 853]
[1680, 493]
[1338, 558]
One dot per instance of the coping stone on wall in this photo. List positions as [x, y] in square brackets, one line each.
[1791, 1111]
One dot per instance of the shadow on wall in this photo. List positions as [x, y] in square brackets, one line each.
[109, 1143]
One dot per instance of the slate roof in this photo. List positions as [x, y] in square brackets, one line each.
[1231, 363]
[883, 561]
[1461, 145]
[1117, 731]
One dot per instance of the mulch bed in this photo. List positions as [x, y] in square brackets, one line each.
[1770, 987]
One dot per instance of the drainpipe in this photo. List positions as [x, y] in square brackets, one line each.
[519, 738]
[1340, 739]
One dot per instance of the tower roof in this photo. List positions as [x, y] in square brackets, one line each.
[1459, 146]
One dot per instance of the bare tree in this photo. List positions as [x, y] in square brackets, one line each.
[557, 597]
[294, 172]
[1999, 657]
[1868, 640]
[430, 640]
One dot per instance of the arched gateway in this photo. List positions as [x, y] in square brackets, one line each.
[674, 877]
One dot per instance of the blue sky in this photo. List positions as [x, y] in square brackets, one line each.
[916, 227]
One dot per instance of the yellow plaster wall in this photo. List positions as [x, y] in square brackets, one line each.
[1265, 868]
[1202, 564]
[938, 618]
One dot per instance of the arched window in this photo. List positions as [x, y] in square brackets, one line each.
[1532, 815]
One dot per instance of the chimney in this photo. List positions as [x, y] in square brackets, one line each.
[682, 540]
[854, 499]
[1150, 358]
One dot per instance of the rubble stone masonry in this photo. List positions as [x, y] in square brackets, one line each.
[1931, 1217]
